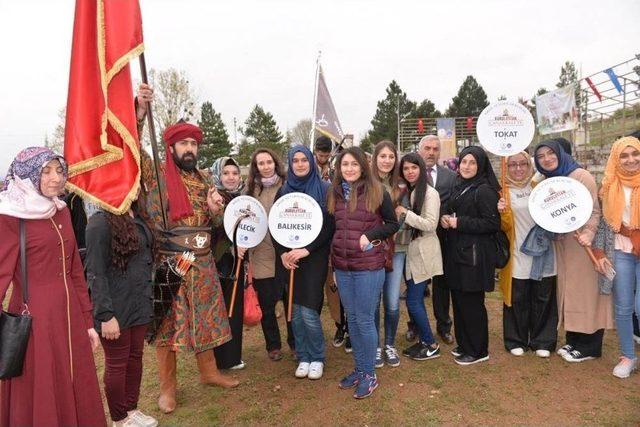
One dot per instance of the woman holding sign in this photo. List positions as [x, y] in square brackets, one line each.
[364, 216]
[310, 265]
[530, 312]
[582, 307]
[266, 176]
[225, 173]
[618, 240]
[471, 222]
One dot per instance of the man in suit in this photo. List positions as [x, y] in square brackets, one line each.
[443, 179]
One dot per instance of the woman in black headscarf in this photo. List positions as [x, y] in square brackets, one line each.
[471, 221]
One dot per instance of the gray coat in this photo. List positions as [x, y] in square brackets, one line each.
[606, 241]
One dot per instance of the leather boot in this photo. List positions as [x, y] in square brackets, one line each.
[167, 372]
[209, 373]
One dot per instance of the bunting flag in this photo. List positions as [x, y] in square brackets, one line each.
[594, 89]
[614, 79]
[101, 142]
[326, 119]
[420, 126]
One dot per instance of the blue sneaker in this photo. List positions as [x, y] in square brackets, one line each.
[350, 380]
[366, 386]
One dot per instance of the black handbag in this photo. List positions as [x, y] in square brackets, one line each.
[16, 328]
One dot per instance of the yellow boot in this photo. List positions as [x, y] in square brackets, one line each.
[209, 373]
[167, 372]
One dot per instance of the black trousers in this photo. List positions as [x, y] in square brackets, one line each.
[229, 354]
[531, 321]
[470, 323]
[440, 296]
[269, 293]
[587, 344]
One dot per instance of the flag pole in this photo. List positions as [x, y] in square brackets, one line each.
[315, 96]
[154, 145]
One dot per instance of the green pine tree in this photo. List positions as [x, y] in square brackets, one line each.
[427, 109]
[470, 100]
[215, 141]
[569, 76]
[260, 130]
[385, 120]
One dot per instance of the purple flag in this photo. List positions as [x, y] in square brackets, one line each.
[326, 120]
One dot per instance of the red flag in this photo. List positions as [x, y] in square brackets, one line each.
[101, 140]
[594, 89]
[469, 122]
[420, 126]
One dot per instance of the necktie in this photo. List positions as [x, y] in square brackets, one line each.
[429, 176]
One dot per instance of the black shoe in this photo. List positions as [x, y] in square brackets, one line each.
[338, 338]
[347, 344]
[427, 292]
[427, 352]
[465, 359]
[409, 352]
[456, 351]
[447, 338]
[403, 295]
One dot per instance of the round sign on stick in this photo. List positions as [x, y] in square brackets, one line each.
[505, 128]
[560, 204]
[295, 220]
[253, 223]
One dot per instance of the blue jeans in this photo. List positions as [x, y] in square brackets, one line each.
[626, 297]
[391, 299]
[360, 293]
[307, 331]
[417, 310]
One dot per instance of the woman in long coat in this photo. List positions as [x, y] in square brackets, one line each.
[58, 385]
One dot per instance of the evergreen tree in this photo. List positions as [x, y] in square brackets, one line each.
[385, 121]
[215, 141]
[427, 109]
[260, 130]
[569, 76]
[470, 100]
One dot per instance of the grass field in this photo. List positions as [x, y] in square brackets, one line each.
[506, 390]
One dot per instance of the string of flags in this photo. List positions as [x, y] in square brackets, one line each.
[615, 80]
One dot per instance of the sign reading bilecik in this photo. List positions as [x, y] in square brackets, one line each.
[505, 128]
[254, 223]
[295, 220]
[560, 204]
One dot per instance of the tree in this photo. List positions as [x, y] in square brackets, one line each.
[301, 133]
[56, 142]
[427, 109]
[470, 100]
[215, 141]
[569, 76]
[260, 130]
[385, 120]
[173, 100]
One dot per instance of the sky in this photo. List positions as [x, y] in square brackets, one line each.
[245, 52]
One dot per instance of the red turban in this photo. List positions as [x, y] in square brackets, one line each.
[179, 203]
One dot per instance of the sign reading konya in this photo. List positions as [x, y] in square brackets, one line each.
[505, 128]
[254, 223]
[295, 220]
[560, 204]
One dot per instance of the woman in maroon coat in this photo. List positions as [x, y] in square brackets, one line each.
[58, 385]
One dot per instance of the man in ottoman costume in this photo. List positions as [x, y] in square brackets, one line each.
[197, 320]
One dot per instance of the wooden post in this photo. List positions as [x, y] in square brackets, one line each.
[235, 288]
[290, 308]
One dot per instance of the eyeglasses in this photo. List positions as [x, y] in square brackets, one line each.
[519, 165]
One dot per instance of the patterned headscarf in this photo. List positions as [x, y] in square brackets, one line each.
[21, 196]
[530, 171]
[216, 175]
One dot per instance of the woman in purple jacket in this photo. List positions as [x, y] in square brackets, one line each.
[364, 218]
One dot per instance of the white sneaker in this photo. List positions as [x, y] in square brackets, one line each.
[564, 350]
[141, 419]
[543, 353]
[575, 356]
[625, 367]
[316, 370]
[303, 370]
[239, 366]
[127, 422]
[518, 351]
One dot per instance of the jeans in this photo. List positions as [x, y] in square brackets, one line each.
[307, 330]
[626, 298]
[360, 292]
[123, 370]
[391, 300]
[417, 310]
